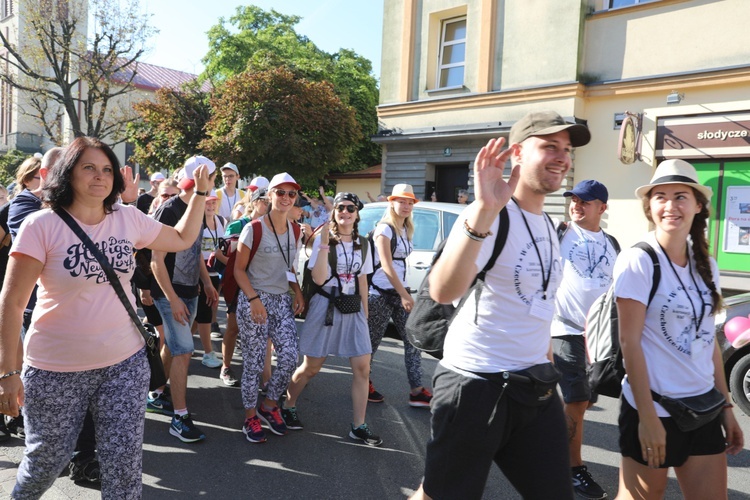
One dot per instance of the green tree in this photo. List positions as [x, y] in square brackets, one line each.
[170, 128]
[258, 40]
[9, 163]
[267, 121]
[75, 58]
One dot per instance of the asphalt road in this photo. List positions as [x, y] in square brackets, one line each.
[321, 462]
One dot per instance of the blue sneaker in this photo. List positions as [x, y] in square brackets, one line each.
[253, 431]
[183, 428]
[273, 420]
[159, 403]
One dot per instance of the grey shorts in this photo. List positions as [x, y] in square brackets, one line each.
[570, 358]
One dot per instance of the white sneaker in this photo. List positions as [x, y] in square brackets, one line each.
[211, 360]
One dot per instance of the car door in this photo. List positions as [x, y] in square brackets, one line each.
[428, 233]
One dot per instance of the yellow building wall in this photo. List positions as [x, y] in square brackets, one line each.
[360, 187]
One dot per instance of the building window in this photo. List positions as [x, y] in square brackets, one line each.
[452, 56]
[614, 4]
[6, 8]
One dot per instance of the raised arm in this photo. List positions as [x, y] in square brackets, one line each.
[449, 278]
[185, 232]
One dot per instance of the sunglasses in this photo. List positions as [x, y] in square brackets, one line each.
[165, 196]
[349, 208]
[281, 192]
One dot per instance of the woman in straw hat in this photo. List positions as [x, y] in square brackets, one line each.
[389, 296]
[669, 345]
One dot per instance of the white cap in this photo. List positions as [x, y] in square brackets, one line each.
[259, 182]
[231, 166]
[187, 174]
[158, 176]
[282, 178]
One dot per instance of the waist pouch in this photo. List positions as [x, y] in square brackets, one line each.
[348, 304]
[692, 412]
[533, 386]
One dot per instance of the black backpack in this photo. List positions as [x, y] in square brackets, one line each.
[428, 321]
[375, 267]
[606, 369]
[309, 287]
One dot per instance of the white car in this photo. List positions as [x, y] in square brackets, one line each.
[432, 223]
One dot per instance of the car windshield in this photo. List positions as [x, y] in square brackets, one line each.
[426, 225]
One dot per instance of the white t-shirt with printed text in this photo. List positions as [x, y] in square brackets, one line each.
[348, 265]
[502, 331]
[679, 357]
[588, 263]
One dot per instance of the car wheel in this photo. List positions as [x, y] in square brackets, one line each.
[739, 384]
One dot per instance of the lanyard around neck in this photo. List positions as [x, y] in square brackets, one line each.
[286, 259]
[697, 320]
[545, 279]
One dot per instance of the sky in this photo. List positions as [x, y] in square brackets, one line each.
[330, 24]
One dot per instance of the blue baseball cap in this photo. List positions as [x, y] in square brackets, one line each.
[589, 190]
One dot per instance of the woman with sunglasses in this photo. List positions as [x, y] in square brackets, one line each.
[266, 309]
[389, 296]
[669, 345]
[327, 331]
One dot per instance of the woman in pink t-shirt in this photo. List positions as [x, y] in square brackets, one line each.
[82, 351]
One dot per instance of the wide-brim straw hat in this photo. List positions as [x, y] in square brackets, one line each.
[675, 172]
[403, 191]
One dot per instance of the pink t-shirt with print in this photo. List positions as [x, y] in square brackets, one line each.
[78, 322]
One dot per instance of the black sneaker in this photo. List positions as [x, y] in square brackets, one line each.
[421, 400]
[159, 403]
[184, 429]
[291, 419]
[216, 331]
[584, 484]
[4, 432]
[15, 426]
[364, 434]
[87, 471]
[374, 396]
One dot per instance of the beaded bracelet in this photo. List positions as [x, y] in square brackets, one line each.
[10, 374]
[474, 232]
[472, 236]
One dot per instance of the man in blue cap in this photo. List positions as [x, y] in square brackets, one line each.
[588, 255]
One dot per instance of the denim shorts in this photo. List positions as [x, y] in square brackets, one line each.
[178, 337]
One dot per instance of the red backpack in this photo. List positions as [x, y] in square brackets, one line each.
[228, 283]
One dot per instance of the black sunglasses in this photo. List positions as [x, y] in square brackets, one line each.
[292, 194]
[166, 196]
[349, 208]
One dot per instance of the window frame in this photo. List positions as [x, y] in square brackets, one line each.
[6, 8]
[444, 23]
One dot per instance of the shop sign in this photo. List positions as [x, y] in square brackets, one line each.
[707, 136]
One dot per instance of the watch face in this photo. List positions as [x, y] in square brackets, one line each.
[627, 153]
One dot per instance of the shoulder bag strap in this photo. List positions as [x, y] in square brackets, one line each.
[114, 280]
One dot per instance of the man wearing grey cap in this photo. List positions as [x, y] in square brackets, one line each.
[495, 397]
[588, 257]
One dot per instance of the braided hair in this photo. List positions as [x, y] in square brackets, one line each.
[699, 245]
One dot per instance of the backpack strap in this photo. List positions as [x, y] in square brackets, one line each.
[614, 242]
[657, 268]
[502, 237]
[257, 227]
[561, 229]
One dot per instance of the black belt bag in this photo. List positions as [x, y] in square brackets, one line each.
[348, 304]
[692, 412]
[533, 386]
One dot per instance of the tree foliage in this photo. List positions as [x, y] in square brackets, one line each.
[67, 67]
[170, 128]
[9, 163]
[257, 40]
[273, 120]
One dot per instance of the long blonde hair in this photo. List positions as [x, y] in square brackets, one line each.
[389, 217]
